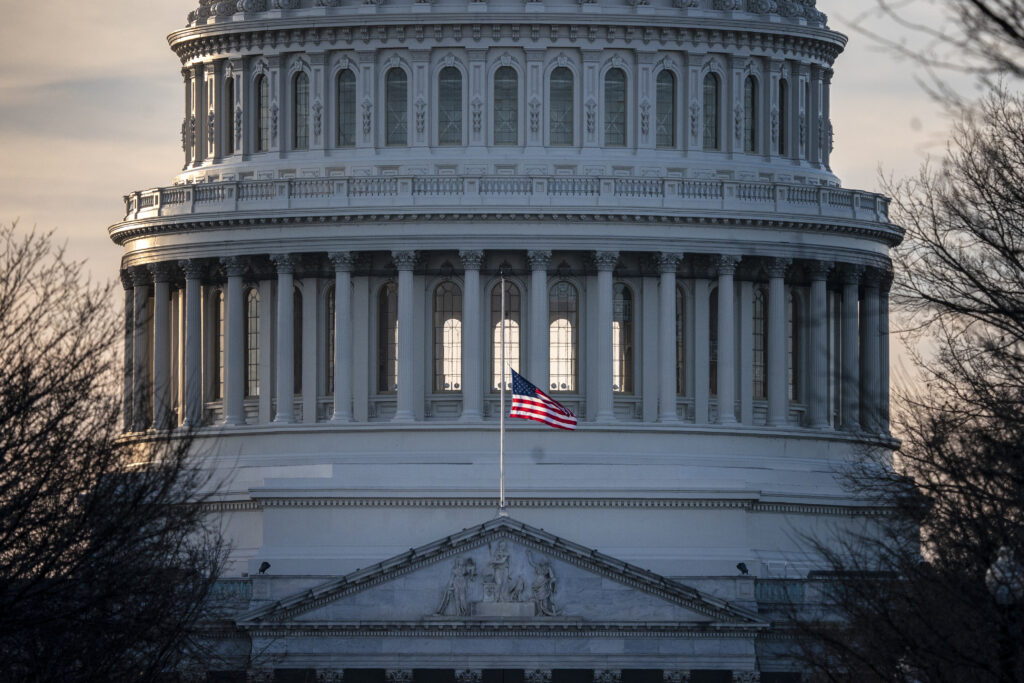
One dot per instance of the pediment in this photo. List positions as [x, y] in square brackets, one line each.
[507, 572]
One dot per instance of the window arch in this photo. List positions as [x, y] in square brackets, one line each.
[750, 122]
[563, 329]
[447, 337]
[793, 323]
[506, 106]
[252, 343]
[783, 115]
[262, 110]
[300, 107]
[396, 104]
[345, 116]
[513, 328]
[622, 339]
[560, 103]
[665, 109]
[297, 336]
[760, 342]
[713, 343]
[387, 338]
[330, 311]
[228, 115]
[680, 341]
[712, 125]
[615, 108]
[449, 110]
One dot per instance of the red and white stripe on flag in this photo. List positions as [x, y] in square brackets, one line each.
[530, 403]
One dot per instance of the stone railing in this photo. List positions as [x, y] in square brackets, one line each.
[505, 194]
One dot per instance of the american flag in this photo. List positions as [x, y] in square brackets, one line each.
[530, 403]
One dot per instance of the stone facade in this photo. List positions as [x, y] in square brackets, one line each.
[317, 293]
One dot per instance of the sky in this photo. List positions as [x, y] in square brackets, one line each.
[96, 112]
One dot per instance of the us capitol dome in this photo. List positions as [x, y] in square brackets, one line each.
[317, 293]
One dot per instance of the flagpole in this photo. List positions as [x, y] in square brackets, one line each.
[502, 512]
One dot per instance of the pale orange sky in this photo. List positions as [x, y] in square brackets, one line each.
[91, 107]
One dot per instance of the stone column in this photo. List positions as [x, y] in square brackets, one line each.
[539, 330]
[310, 293]
[408, 341]
[701, 348]
[398, 675]
[472, 353]
[234, 342]
[194, 270]
[607, 676]
[343, 262]
[468, 675]
[726, 340]
[667, 361]
[141, 381]
[129, 326]
[537, 676]
[778, 404]
[883, 352]
[851, 351]
[817, 403]
[161, 344]
[870, 401]
[605, 262]
[330, 676]
[675, 676]
[285, 337]
[746, 677]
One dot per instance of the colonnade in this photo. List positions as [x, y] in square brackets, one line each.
[845, 348]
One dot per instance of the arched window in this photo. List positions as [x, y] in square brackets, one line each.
[622, 339]
[615, 108]
[506, 106]
[297, 337]
[387, 339]
[447, 337]
[330, 311]
[712, 125]
[217, 345]
[252, 343]
[346, 109]
[665, 112]
[750, 115]
[396, 95]
[513, 318]
[713, 343]
[793, 347]
[300, 98]
[680, 341]
[449, 110]
[783, 115]
[560, 102]
[228, 115]
[760, 342]
[563, 307]
[262, 109]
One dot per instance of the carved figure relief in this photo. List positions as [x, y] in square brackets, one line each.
[367, 116]
[318, 110]
[534, 116]
[645, 118]
[543, 586]
[803, 129]
[211, 126]
[500, 585]
[238, 126]
[738, 122]
[273, 123]
[421, 116]
[775, 125]
[184, 135]
[591, 117]
[477, 115]
[455, 601]
[252, 5]
[694, 119]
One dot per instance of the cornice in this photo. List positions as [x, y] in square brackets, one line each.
[560, 30]
[497, 629]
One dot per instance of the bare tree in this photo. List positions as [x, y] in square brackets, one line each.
[907, 599]
[105, 557]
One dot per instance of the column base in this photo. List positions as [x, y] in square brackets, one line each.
[284, 420]
[471, 416]
[668, 418]
[339, 418]
[729, 421]
[605, 417]
[404, 416]
[233, 421]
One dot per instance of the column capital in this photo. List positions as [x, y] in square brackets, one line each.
[537, 676]
[873, 277]
[746, 677]
[668, 262]
[330, 676]
[538, 259]
[398, 675]
[468, 675]
[819, 270]
[162, 272]
[343, 261]
[141, 276]
[887, 277]
[606, 260]
[727, 263]
[234, 266]
[404, 260]
[193, 268]
[675, 676]
[471, 258]
[126, 278]
[777, 267]
[607, 676]
[851, 273]
[285, 263]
